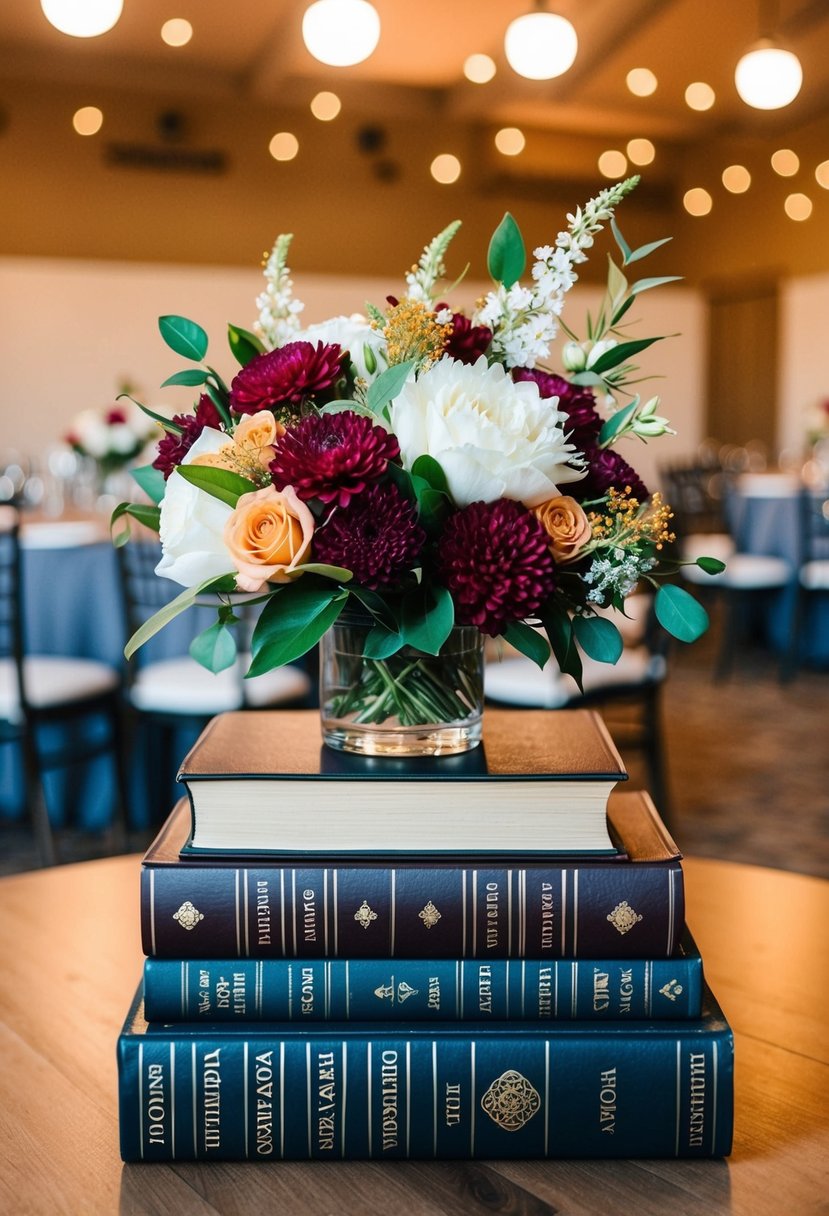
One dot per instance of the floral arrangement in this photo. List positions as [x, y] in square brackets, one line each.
[113, 436]
[421, 465]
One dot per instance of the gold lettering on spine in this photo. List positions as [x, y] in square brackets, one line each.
[607, 1101]
[547, 916]
[545, 992]
[156, 1112]
[282, 912]
[698, 1082]
[263, 913]
[211, 1084]
[326, 1101]
[492, 931]
[389, 1099]
[193, 1076]
[263, 1079]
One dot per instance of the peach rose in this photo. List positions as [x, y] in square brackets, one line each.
[567, 526]
[269, 537]
[257, 433]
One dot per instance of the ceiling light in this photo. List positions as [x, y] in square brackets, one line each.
[641, 82]
[445, 169]
[479, 68]
[326, 106]
[176, 32]
[613, 164]
[283, 146]
[640, 151]
[785, 162]
[510, 141]
[82, 18]
[341, 33]
[822, 174]
[736, 179]
[700, 96]
[540, 45]
[767, 77]
[88, 120]
[798, 207]
[697, 201]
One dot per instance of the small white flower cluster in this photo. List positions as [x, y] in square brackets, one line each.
[278, 321]
[422, 278]
[618, 573]
[523, 320]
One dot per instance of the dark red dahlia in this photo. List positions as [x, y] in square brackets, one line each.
[495, 559]
[286, 376]
[332, 456]
[467, 342]
[376, 536]
[606, 468]
[584, 422]
[174, 447]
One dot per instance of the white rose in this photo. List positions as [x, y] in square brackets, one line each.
[354, 334]
[494, 438]
[192, 524]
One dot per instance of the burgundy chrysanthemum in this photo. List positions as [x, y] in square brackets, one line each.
[174, 447]
[332, 456]
[583, 421]
[286, 376]
[467, 342]
[495, 559]
[376, 536]
[606, 468]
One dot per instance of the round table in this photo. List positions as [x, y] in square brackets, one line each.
[71, 959]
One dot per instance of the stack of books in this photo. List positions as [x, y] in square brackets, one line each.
[479, 956]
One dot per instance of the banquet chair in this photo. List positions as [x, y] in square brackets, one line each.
[695, 492]
[628, 693]
[59, 711]
[171, 697]
[813, 563]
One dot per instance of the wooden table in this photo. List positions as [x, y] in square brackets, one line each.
[71, 958]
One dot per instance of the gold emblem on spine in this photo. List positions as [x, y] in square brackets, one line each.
[386, 992]
[429, 915]
[671, 990]
[623, 917]
[511, 1101]
[364, 915]
[188, 916]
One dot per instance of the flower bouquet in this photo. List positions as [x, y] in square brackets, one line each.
[404, 484]
[112, 436]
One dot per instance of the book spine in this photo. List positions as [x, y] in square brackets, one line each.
[317, 990]
[603, 911]
[326, 1096]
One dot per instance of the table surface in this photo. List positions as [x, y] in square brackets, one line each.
[71, 957]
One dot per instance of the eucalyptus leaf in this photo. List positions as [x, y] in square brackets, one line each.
[387, 385]
[228, 487]
[586, 378]
[191, 377]
[646, 284]
[168, 613]
[616, 421]
[342, 407]
[644, 250]
[244, 345]
[214, 648]
[183, 336]
[529, 641]
[679, 613]
[292, 622]
[507, 257]
[427, 617]
[599, 638]
[151, 481]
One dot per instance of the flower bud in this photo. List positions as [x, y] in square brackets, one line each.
[573, 357]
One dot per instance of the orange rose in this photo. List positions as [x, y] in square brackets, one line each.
[256, 433]
[566, 525]
[269, 537]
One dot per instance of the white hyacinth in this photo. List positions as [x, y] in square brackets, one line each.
[278, 320]
[524, 319]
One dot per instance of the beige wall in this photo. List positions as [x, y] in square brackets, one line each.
[804, 374]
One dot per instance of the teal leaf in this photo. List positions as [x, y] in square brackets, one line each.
[168, 613]
[387, 385]
[244, 345]
[507, 257]
[646, 284]
[431, 472]
[167, 423]
[214, 648]
[377, 606]
[529, 641]
[427, 617]
[191, 376]
[292, 622]
[589, 378]
[599, 638]
[644, 250]
[618, 354]
[151, 481]
[711, 565]
[184, 337]
[221, 483]
[679, 613]
[559, 629]
[616, 421]
[382, 643]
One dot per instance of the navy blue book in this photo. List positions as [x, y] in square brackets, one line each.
[411, 990]
[350, 1091]
[627, 906]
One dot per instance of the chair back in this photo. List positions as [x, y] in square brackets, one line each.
[12, 644]
[696, 494]
[814, 525]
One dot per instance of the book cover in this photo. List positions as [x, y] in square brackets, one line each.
[424, 908]
[306, 991]
[537, 783]
[350, 1091]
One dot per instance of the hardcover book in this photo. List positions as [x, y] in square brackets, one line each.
[271, 1091]
[628, 905]
[537, 784]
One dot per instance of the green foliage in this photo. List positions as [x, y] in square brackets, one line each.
[166, 423]
[529, 641]
[507, 257]
[294, 620]
[599, 638]
[151, 481]
[190, 378]
[243, 344]
[711, 565]
[170, 611]
[559, 629]
[679, 613]
[184, 337]
[214, 648]
[228, 487]
[616, 421]
[387, 385]
[148, 516]
[426, 618]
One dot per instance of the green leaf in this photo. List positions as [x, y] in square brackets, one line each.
[599, 638]
[354, 407]
[402, 480]
[336, 572]
[616, 421]
[184, 337]
[292, 622]
[621, 310]
[244, 345]
[646, 284]
[151, 481]
[644, 250]
[589, 378]
[679, 613]
[429, 469]
[377, 606]
[221, 483]
[382, 643]
[559, 629]
[529, 641]
[618, 354]
[374, 314]
[507, 257]
[219, 399]
[711, 565]
[214, 648]
[427, 617]
[620, 241]
[150, 517]
[387, 385]
[167, 423]
[617, 284]
[166, 614]
[191, 376]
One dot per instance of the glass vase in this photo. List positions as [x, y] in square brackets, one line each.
[410, 704]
